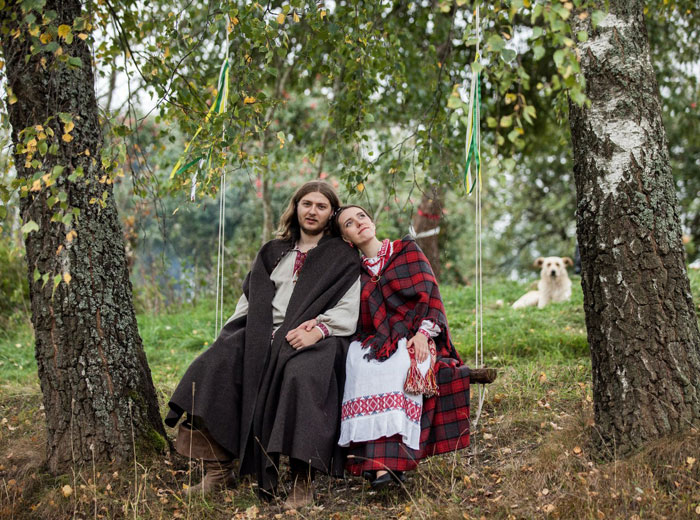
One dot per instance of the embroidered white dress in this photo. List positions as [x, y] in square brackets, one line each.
[374, 402]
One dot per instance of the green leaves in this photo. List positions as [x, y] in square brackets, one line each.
[496, 43]
[597, 17]
[29, 227]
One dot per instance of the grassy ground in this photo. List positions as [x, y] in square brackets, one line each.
[531, 454]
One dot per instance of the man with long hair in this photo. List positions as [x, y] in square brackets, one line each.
[268, 387]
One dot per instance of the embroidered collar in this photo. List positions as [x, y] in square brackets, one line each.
[375, 265]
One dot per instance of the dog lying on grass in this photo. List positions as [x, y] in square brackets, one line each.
[554, 284]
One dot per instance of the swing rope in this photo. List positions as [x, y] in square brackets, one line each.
[222, 96]
[473, 153]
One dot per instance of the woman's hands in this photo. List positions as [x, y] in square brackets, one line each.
[304, 335]
[420, 343]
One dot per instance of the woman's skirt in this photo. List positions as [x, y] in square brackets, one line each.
[375, 405]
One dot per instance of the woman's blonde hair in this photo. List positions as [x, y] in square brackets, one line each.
[289, 223]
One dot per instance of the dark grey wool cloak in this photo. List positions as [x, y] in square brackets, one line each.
[261, 399]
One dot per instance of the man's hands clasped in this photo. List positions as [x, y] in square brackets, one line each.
[304, 335]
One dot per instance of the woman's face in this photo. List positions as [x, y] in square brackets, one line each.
[356, 226]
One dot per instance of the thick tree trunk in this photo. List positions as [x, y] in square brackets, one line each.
[642, 327]
[426, 224]
[98, 393]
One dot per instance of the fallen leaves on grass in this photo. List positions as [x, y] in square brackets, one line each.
[67, 491]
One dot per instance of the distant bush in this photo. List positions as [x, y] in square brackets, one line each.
[14, 289]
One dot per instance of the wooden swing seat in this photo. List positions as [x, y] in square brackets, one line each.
[482, 376]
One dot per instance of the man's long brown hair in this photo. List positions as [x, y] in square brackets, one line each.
[289, 223]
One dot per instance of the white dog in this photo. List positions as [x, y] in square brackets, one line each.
[554, 284]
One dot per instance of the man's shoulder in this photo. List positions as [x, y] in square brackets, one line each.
[338, 249]
[276, 243]
[271, 251]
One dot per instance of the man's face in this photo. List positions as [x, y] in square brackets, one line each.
[313, 212]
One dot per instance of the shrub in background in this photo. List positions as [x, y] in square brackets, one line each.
[14, 288]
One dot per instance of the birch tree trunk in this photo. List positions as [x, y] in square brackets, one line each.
[642, 327]
[98, 393]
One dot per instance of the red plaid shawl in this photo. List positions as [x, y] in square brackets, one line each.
[395, 306]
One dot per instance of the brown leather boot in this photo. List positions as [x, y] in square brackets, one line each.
[302, 494]
[217, 475]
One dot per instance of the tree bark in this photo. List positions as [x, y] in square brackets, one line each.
[642, 327]
[97, 389]
[426, 221]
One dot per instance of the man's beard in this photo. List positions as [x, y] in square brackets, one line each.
[312, 232]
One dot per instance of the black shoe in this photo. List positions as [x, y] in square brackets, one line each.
[382, 482]
[391, 476]
[369, 475]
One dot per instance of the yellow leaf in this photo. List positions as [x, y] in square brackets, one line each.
[543, 377]
[71, 235]
[323, 14]
[690, 461]
[68, 127]
[249, 100]
[577, 450]
[2, 64]
[36, 185]
[234, 20]
[67, 138]
[82, 36]
[280, 18]
[361, 187]
[34, 31]
[67, 491]
[58, 52]
[63, 30]
[11, 98]
[87, 152]
[67, 278]
[295, 17]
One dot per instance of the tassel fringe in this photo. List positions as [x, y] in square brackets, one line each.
[415, 382]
